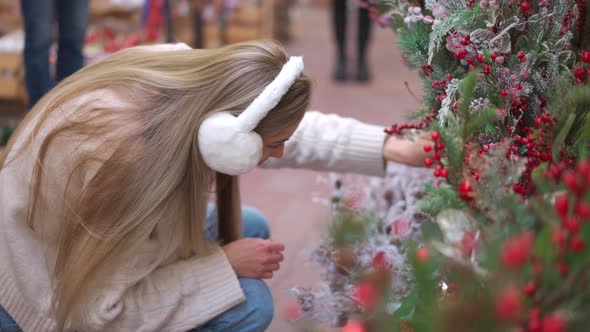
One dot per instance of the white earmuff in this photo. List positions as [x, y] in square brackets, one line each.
[228, 144]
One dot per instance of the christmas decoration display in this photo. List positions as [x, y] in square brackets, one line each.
[497, 238]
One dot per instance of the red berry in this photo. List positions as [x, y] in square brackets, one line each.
[444, 173]
[365, 295]
[586, 57]
[583, 210]
[464, 186]
[422, 254]
[437, 156]
[439, 146]
[353, 326]
[487, 69]
[480, 57]
[530, 288]
[584, 167]
[553, 323]
[504, 93]
[577, 244]
[427, 162]
[571, 181]
[521, 54]
[381, 261]
[517, 250]
[435, 135]
[437, 173]
[562, 205]
[580, 73]
[508, 304]
[572, 224]
[493, 56]
[464, 42]
[427, 148]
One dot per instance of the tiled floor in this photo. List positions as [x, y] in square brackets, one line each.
[285, 196]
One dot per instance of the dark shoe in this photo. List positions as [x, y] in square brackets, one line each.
[340, 72]
[363, 74]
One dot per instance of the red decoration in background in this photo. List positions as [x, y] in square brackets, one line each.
[154, 20]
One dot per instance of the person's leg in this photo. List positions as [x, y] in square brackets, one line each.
[252, 315]
[7, 324]
[72, 19]
[364, 34]
[254, 223]
[38, 18]
[339, 23]
[256, 313]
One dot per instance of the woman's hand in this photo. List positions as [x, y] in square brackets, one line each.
[254, 257]
[407, 151]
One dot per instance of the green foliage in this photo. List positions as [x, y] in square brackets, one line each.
[438, 199]
[414, 44]
[459, 20]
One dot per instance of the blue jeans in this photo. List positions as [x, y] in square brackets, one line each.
[39, 17]
[253, 315]
[256, 313]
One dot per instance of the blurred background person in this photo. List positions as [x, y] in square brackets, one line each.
[39, 17]
[339, 11]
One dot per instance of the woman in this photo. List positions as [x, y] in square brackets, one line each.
[104, 190]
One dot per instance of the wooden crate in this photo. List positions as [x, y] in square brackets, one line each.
[11, 78]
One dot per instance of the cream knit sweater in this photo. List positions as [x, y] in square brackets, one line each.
[174, 297]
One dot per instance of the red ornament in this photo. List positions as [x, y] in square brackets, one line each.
[435, 135]
[517, 251]
[577, 244]
[381, 261]
[354, 326]
[553, 323]
[292, 311]
[465, 190]
[365, 295]
[562, 205]
[572, 224]
[508, 304]
[570, 179]
[422, 254]
[530, 288]
[584, 169]
[580, 73]
[583, 210]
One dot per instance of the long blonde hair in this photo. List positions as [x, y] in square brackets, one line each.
[153, 183]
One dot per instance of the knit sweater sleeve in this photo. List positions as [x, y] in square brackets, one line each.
[328, 142]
